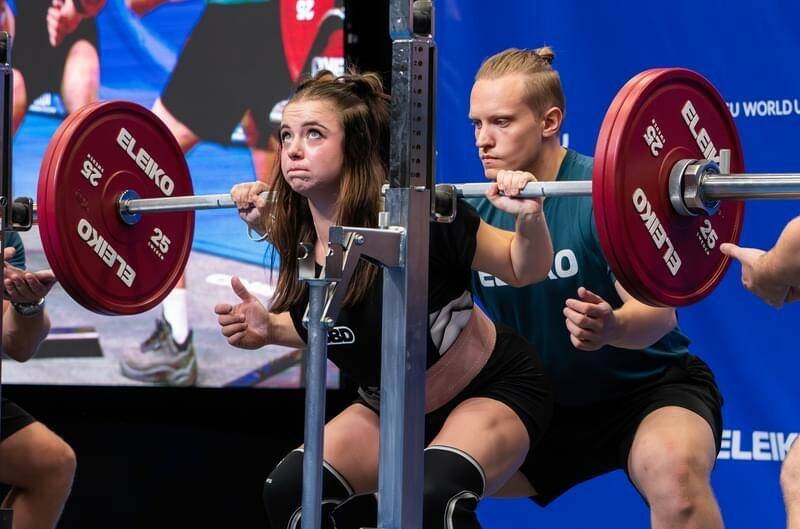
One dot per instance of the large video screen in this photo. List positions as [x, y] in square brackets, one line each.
[218, 73]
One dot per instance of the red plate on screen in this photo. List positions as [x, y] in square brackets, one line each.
[105, 264]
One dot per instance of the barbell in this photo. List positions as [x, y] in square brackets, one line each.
[116, 211]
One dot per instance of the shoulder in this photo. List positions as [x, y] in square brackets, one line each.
[576, 166]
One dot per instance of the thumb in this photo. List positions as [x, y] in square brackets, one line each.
[9, 252]
[240, 289]
[588, 296]
[261, 201]
[492, 191]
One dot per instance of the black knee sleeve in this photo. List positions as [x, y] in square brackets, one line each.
[360, 510]
[454, 483]
[283, 492]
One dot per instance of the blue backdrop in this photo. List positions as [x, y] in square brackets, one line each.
[748, 51]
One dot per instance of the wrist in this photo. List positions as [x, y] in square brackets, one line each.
[528, 215]
[29, 310]
[769, 270]
[616, 328]
[259, 235]
[527, 221]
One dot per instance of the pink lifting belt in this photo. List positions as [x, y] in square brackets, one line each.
[461, 362]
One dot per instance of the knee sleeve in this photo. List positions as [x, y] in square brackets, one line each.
[360, 510]
[454, 483]
[283, 492]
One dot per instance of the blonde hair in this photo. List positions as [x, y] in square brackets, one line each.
[542, 82]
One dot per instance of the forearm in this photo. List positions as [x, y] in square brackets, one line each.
[640, 325]
[531, 249]
[781, 265]
[281, 330]
[260, 225]
[22, 335]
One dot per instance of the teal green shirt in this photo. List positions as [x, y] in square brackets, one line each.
[535, 311]
[13, 239]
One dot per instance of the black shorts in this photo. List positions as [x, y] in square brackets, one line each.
[232, 62]
[12, 419]
[513, 375]
[586, 441]
[41, 65]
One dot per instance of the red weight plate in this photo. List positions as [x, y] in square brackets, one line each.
[300, 22]
[661, 257]
[622, 265]
[48, 232]
[105, 264]
[604, 142]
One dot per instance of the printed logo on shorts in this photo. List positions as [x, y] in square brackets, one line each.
[341, 335]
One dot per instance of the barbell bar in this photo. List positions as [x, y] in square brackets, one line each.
[713, 187]
[667, 161]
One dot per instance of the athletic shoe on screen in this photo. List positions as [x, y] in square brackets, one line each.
[161, 360]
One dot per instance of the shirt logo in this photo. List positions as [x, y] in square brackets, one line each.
[341, 335]
[565, 265]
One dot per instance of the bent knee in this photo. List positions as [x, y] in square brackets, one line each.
[63, 461]
[670, 474]
[55, 463]
[454, 483]
[283, 490]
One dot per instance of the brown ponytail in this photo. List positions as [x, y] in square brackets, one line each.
[363, 109]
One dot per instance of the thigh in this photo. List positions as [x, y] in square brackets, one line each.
[351, 446]
[42, 64]
[581, 442]
[589, 440]
[266, 79]
[187, 139]
[680, 423]
[30, 453]
[492, 433]
[81, 81]
[216, 58]
[263, 148]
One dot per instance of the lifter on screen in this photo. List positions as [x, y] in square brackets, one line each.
[55, 49]
[36, 462]
[230, 70]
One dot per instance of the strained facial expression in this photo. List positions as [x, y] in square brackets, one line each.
[312, 140]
